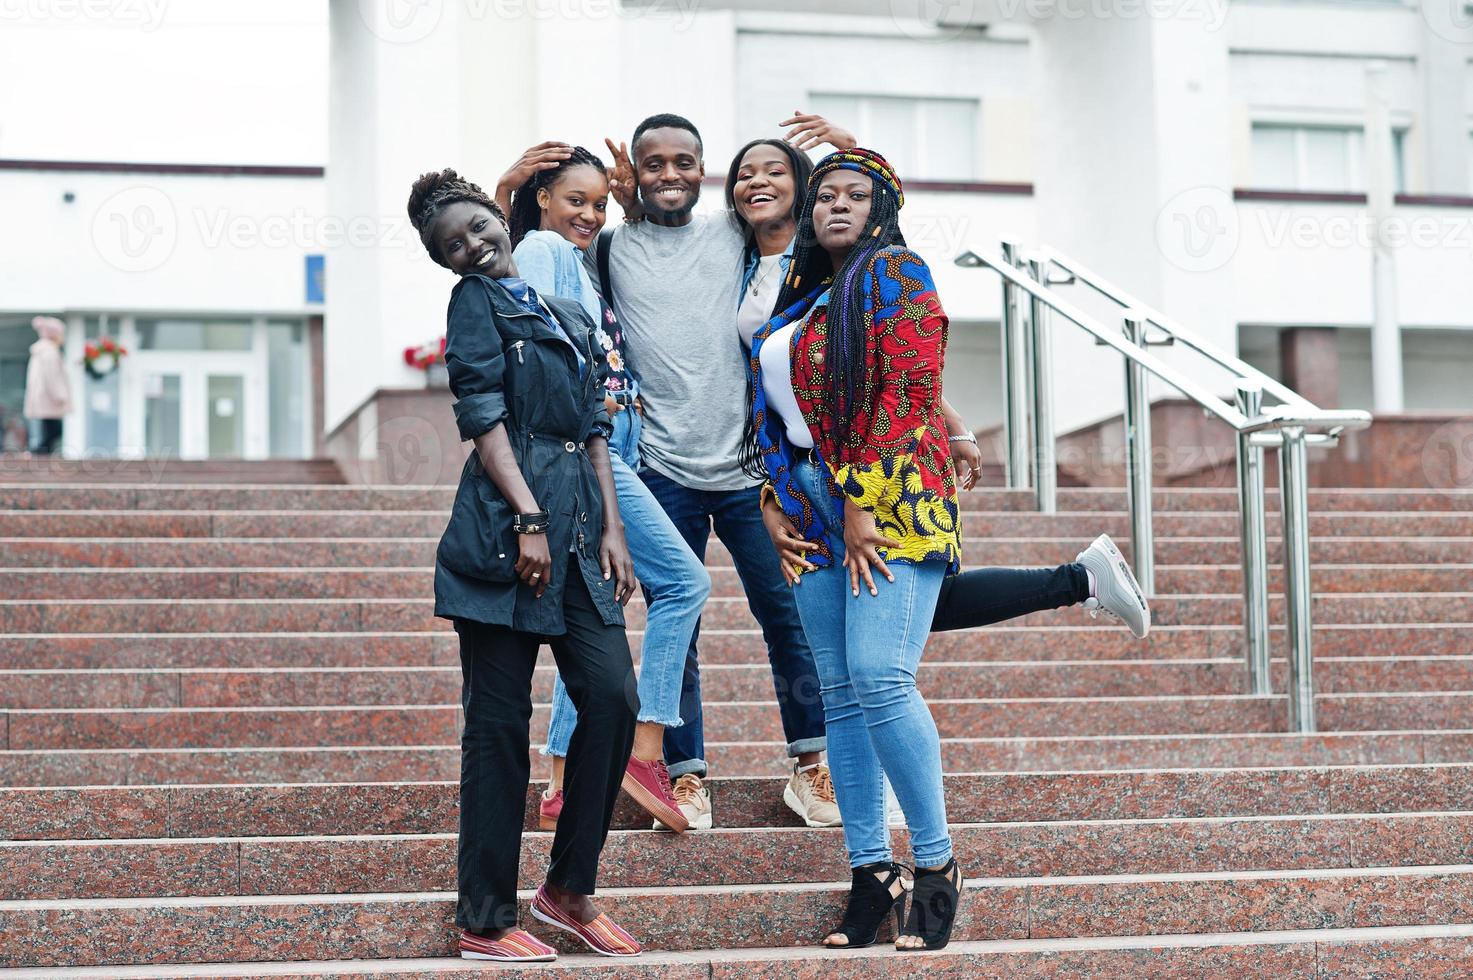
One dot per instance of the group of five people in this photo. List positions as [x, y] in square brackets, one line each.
[772, 372]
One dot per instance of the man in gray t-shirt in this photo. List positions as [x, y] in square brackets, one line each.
[676, 278]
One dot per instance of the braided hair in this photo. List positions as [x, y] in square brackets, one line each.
[526, 213]
[432, 193]
[848, 323]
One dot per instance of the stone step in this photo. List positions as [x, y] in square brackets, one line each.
[47, 651]
[84, 474]
[978, 526]
[409, 552]
[322, 764]
[724, 612]
[80, 932]
[389, 583]
[239, 495]
[735, 721]
[430, 807]
[1430, 951]
[142, 868]
[940, 679]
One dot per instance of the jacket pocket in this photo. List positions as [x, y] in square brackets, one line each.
[478, 540]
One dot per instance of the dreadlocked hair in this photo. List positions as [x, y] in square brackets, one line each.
[432, 193]
[526, 214]
[848, 326]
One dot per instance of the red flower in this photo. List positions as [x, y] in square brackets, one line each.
[90, 351]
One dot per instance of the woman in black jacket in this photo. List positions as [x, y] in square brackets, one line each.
[534, 553]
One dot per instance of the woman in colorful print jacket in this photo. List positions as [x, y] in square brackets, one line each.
[850, 435]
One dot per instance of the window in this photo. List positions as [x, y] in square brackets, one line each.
[1316, 158]
[194, 335]
[925, 138]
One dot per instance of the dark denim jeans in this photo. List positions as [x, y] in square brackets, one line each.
[737, 519]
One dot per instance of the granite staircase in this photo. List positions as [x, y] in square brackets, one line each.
[229, 747]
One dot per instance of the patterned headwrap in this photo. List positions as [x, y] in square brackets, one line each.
[867, 162]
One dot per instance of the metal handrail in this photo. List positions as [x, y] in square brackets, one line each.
[1288, 427]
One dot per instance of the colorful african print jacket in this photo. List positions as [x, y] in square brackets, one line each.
[896, 461]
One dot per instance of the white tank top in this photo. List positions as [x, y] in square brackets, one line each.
[777, 383]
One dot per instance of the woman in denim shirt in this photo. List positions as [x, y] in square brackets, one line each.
[556, 212]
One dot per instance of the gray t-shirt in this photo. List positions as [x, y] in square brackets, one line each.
[675, 294]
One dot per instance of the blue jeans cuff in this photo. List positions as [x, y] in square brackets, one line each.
[803, 745]
[651, 717]
[934, 860]
[697, 766]
[871, 857]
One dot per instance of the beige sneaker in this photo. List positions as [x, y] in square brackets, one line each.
[694, 800]
[810, 794]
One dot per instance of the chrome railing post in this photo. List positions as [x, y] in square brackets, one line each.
[1294, 513]
[1045, 468]
[1138, 459]
[1014, 379]
[1253, 535]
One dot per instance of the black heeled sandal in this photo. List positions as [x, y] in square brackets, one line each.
[934, 903]
[869, 901]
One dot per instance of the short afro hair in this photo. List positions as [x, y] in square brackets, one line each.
[432, 193]
[666, 120]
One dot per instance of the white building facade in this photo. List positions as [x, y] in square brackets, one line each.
[1209, 158]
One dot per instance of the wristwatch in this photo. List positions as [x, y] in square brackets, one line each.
[534, 523]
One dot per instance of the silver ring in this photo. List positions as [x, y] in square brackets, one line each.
[536, 574]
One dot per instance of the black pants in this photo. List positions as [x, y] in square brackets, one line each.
[50, 437]
[496, 666]
[991, 595]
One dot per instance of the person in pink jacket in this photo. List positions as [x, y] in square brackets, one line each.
[48, 392]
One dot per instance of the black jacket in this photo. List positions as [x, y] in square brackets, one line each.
[507, 367]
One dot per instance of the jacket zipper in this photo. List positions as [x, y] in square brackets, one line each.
[518, 347]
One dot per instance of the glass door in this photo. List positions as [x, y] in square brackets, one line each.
[225, 410]
[163, 431]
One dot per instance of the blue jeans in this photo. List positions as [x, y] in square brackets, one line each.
[737, 518]
[675, 586]
[868, 649]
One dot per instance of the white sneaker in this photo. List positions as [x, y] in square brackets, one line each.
[1117, 593]
[694, 800]
[810, 794]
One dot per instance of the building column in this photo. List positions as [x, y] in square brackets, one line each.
[1133, 178]
[1309, 363]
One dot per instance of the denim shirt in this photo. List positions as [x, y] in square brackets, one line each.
[554, 267]
[753, 258]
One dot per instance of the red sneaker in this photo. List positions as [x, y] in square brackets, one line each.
[601, 935]
[649, 784]
[515, 947]
[549, 810]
